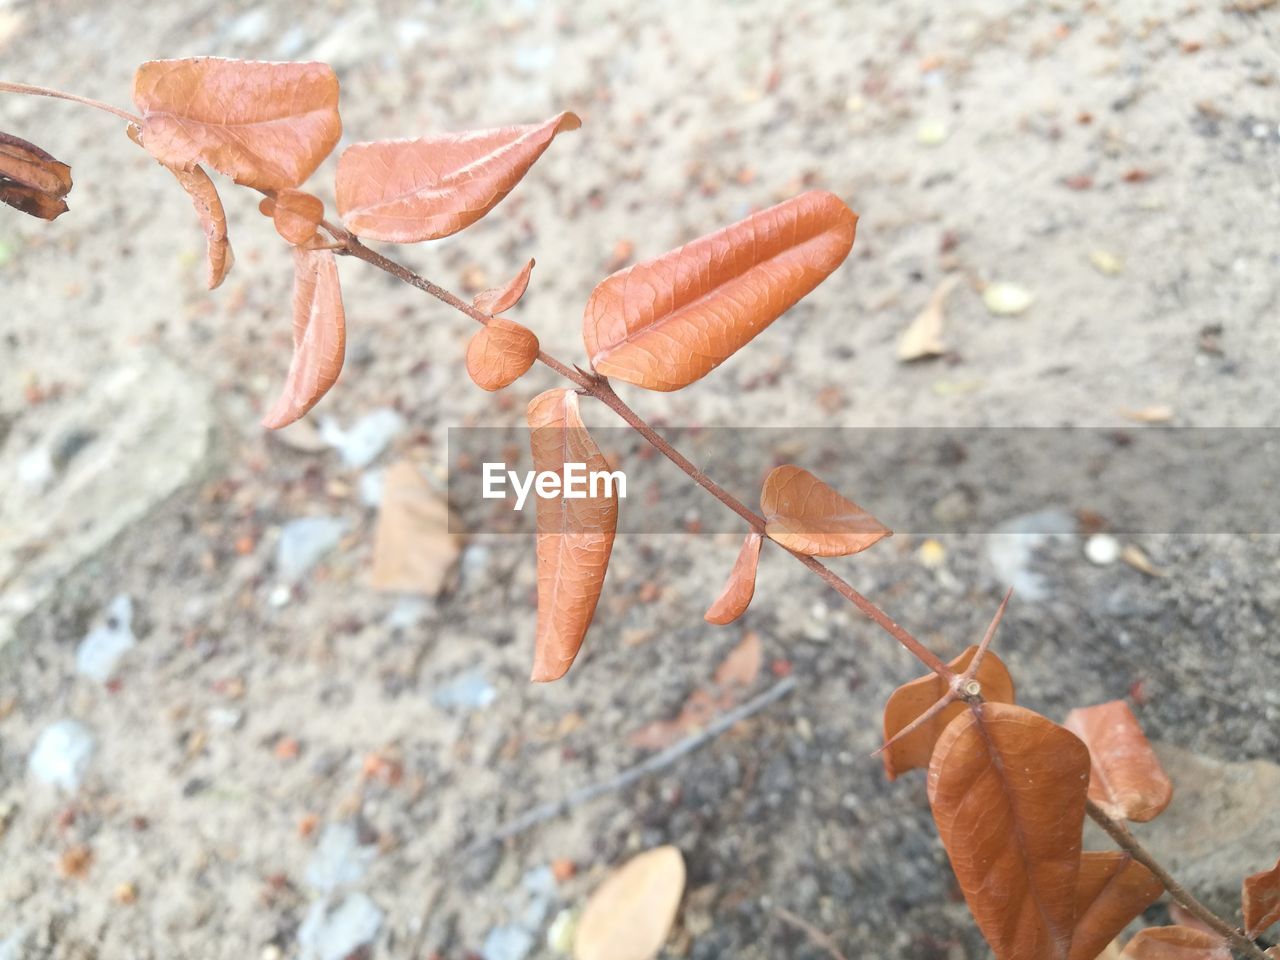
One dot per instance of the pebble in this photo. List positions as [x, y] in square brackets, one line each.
[338, 932]
[1012, 546]
[340, 859]
[36, 471]
[1102, 549]
[100, 651]
[1007, 299]
[371, 486]
[304, 542]
[469, 690]
[61, 755]
[366, 440]
[507, 943]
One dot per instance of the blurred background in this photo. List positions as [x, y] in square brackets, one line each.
[219, 738]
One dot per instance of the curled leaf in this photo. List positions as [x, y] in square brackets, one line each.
[924, 337]
[575, 535]
[1126, 779]
[265, 125]
[405, 191]
[296, 214]
[741, 585]
[912, 700]
[630, 915]
[501, 299]
[666, 322]
[1007, 788]
[319, 336]
[1261, 897]
[1175, 943]
[806, 516]
[500, 353]
[31, 180]
[1112, 890]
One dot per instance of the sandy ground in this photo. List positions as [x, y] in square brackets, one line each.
[1008, 142]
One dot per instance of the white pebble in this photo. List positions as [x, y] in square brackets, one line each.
[61, 755]
[1102, 549]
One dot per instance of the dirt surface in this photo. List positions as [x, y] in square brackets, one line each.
[1014, 143]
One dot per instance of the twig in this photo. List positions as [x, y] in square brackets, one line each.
[1127, 842]
[28, 89]
[819, 939]
[658, 761]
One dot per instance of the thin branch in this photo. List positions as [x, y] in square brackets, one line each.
[658, 761]
[1128, 843]
[818, 938]
[600, 388]
[26, 88]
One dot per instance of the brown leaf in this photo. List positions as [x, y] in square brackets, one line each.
[319, 336]
[404, 191]
[266, 125]
[924, 337]
[1175, 943]
[413, 552]
[1112, 890]
[912, 699]
[296, 215]
[500, 353]
[741, 667]
[741, 585]
[31, 201]
[1007, 789]
[630, 915]
[27, 164]
[1261, 898]
[806, 516]
[575, 536]
[1126, 780]
[664, 323]
[501, 299]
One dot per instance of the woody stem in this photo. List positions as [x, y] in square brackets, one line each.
[26, 88]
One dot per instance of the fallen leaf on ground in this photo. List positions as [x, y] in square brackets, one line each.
[1135, 557]
[413, 551]
[1157, 413]
[631, 913]
[741, 667]
[923, 338]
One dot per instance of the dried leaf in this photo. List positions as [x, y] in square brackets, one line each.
[413, 552]
[1261, 898]
[266, 125]
[319, 336]
[666, 322]
[741, 667]
[912, 699]
[924, 337]
[27, 164]
[31, 201]
[501, 299]
[806, 516]
[500, 353]
[296, 215]
[1126, 779]
[1007, 299]
[741, 585]
[1157, 413]
[1112, 890]
[630, 915]
[405, 191]
[1137, 558]
[1176, 943]
[575, 536]
[1007, 789]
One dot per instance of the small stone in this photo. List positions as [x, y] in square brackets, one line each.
[371, 486]
[304, 542]
[507, 942]
[931, 133]
[61, 755]
[99, 653]
[1007, 299]
[338, 932]
[1011, 548]
[932, 554]
[1102, 549]
[469, 690]
[560, 933]
[36, 471]
[1107, 264]
[340, 859]
[367, 438]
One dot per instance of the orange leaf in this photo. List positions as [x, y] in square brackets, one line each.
[501, 299]
[741, 585]
[1113, 889]
[27, 164]
[404, 191]
[31, 201]
[1176, 943]
[413, 551]
[1126, 780]
[266, 125]
[296, 214]
[741, 667]
[319, 336]
[912, 699]
[575, 536]
[500, 353]
[630, 914]
[666, 322]
[1261, 896]
[1007, 789]
[806, 516]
